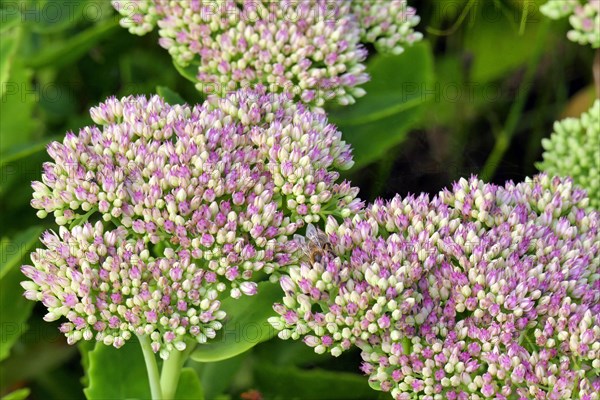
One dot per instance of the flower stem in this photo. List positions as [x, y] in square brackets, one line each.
[169, 376]
[152, 367]
[171, 369]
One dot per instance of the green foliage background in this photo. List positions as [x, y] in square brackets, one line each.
[476, 97]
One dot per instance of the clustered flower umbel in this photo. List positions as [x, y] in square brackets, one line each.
[574, 150]
[481, 292]
[310, 48]
[584, 17]
[189, 204]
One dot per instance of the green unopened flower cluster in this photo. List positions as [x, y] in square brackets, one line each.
[574, 150]
[311, 48]
[584, 17]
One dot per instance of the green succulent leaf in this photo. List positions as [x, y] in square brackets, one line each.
[292, 383]
[217, 376]
[246, 325]
[512, 45]
[189, 386]
[395, 103]
[170, 96]
[117, 373]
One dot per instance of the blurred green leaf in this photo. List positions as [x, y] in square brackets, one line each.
[85, 348]
[117, 373]
[371, 141]
[41, 349]
[63, 52]
[189, 386]
[497, 46]
[20, 394]
[216, 376]
[52, 16]
[395, 102]
[23, 150]
[188, 72]
[15, 308]
[170, 96]
[288, 352]
[246, 325]
[57, 383]
[18, 101]
[13, 252]
[292, 383]
[397, 84]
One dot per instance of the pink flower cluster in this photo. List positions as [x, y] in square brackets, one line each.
[170, 208]
[311, 48]
[480, 292]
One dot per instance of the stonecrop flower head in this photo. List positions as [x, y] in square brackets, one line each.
[584, 17]
[574, 150]
[388, 24]
[164, 209]
[480, 292]
[310, 48]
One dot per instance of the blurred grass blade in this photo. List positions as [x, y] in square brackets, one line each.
[10, 37]
[20, 394]
[10, 17]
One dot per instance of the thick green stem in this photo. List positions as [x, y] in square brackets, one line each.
[505, 136]
[171, 369]
[169, 376]
[152, 367]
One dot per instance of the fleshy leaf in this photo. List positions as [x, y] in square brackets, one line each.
[246, 325]
[395, 102]
[189, 386]
[216, 376]
[117, 373]
[510, 48]
[170, 96]
[292, 383]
